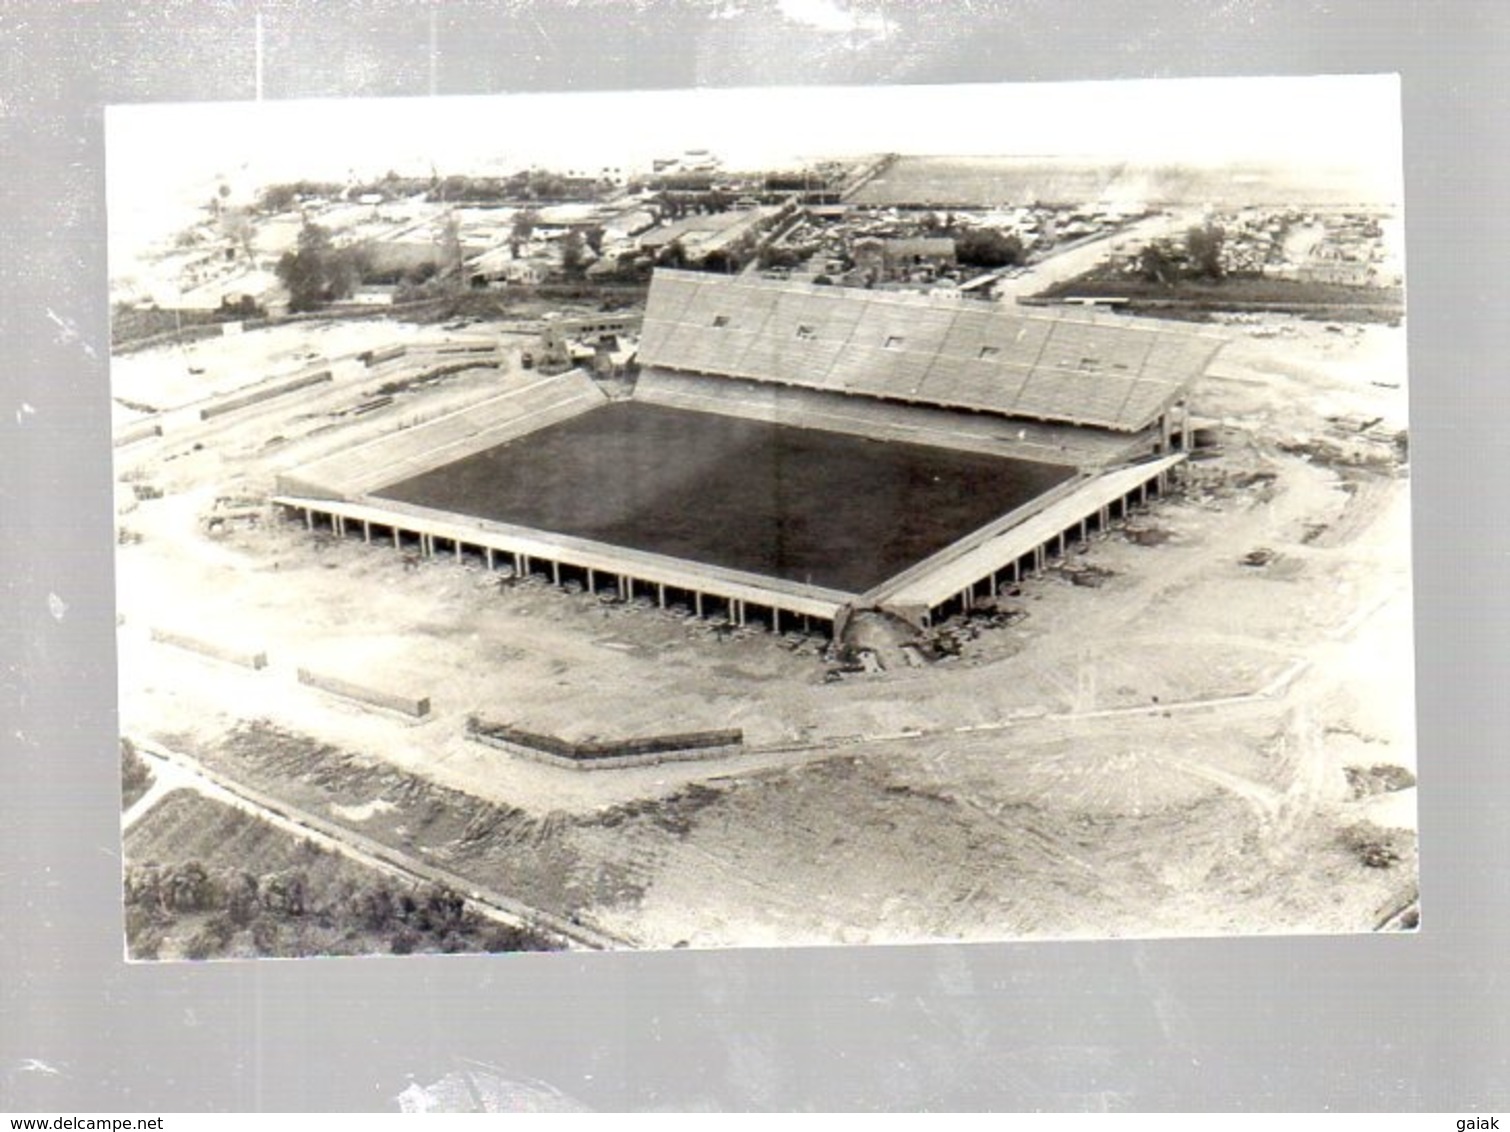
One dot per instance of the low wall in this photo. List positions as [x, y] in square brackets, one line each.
[605, 755]
[253, 660]
[361, 693]
[467, 348]
[139, 431]
[265, 393]
[370, 358]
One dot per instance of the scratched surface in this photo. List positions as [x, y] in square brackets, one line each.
[1395, 1023]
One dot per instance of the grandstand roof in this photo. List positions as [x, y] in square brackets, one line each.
[956, 353]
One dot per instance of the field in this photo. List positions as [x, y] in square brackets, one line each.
[989, 182]
[800, 504]
[1235, 293]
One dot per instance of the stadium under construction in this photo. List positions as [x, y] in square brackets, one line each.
[791, 454]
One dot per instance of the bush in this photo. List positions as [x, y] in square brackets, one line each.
[186, 888]
[404, 942]
[146, 942]
[136, 776]
[1375, 846]
[507, 938]
[211, 939]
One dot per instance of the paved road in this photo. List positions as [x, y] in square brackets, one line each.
[1080, 258]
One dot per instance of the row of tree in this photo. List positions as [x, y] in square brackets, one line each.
[240, 907]
[318, 272]
[1200, 257]
[531, 185]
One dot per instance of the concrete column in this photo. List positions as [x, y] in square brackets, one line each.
[775, 620]
[1016, 570]
[556, 572]
[488, 554]
[1143, 494]
[518, 564]
[309, 519]
[1038, 558]
[697, 601]
[397, 544]
[660, 595]
[993, 583]
[458, 550]
[592, 580]
[366, 531]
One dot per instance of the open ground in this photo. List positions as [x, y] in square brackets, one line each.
[1160, 745]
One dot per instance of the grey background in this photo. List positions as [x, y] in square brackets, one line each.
[1285, 1023]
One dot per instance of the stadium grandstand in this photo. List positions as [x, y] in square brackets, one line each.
[954, 446]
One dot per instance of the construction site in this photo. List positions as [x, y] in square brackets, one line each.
[842, 615]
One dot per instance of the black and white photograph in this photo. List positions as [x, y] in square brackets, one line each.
[723, 518]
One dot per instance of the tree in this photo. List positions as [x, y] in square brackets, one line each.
[236, 226]
[722, 261]
[1156, 265]
[278, 198]
[1204, 246]
[450, 246]
[317, 272]
[986, 247]
[673, 255]
[524, 224]
[136, 776]
[572, 255]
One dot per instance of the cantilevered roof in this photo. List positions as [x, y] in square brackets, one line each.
[954, 353]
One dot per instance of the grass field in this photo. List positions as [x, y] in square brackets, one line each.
[1337, 301]
[800, 504]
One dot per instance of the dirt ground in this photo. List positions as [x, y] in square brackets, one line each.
[1160, 745]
